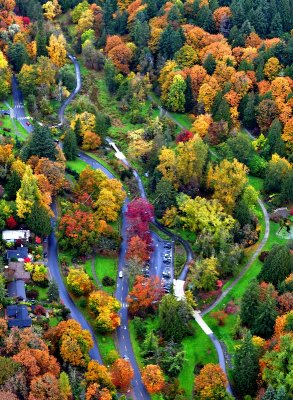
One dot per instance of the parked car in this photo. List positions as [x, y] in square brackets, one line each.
[167, 261]
[27, 123]
[166, 272]
[167, 246]
[120, 274]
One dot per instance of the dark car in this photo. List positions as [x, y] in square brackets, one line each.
[167, 261]
[167, 246]
[27, 123]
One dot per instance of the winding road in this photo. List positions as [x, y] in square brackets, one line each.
[139, 392]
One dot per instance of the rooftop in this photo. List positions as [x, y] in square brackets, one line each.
[17, 316]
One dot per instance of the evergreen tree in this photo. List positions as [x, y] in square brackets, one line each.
[269, 394]
[238, 14]
[53, 291]
[276, 28]
[41, 39]
[249, 120]
[275, 141]
[210, 64]
[151, 346]
[77, 131]
[17, 55]
[258, 21]
[103, 123]
[287, 14]
[39, 220]
[40, 144]
[287, 188]
[165, 197]
[249, 304]
[140, 33]
[12, 185]
[70, 145]
[281, 394]
[223, 113]
[246, 367]
[110, 74]
[171, 40]
[277, 266]
[108, 9]
[263, 323]
[189, 99]
[204, 19]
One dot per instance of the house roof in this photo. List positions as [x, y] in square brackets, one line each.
[14, 235]
[18, 316]
[20, 252]
[16, 289]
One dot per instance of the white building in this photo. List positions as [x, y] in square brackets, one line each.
[11, 236]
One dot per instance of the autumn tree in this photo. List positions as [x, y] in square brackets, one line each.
[44, 387]
[57, 50]
[122, 374]
[79, 282]
[51, 9]
[228, 180]
[211, 383]
[105, 308]
[153, 378]
[272, 68]
[97, 373]
[90, 141]
[277, 170]
[28, 194]
[145, 295]
[64, 387]
[176, 95]
[137, 249]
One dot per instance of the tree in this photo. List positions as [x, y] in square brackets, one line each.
[277, 266]
[278, 168]
[17, 55]
[210, 64]
[91, 141]
[153, 378]
[69, 145]
[97, 373]
[287, 188]
[246, 367]
[272, 68]
[40, 144]
[53, 291]
[105, 308]
[211, 383]
[28, 194]
[122, 374]
[94, 392]
[165, 196]
[174, 317]
[176, 96]
[275, 142]
[228, 180]
[263, 324]
[267, 111]
[57, 50]
[249, 304]
[44, 387]
[137, 248]
[51, 9]
[145, 295]
[39, 220]
[79, 282]
[204, 274]
[276, 366]
[64, 387]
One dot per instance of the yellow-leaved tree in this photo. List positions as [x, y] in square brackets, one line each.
[57, 50]
[28, 193]
[228, 180]
[51, 9]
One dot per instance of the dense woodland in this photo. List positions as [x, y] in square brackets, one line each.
[198, 94]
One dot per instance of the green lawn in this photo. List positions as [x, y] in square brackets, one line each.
[198, 350]
[16, 128]
[77, 165]
[106, 266]
[43, 292]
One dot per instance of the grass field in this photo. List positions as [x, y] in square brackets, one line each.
[199, 350]
[16, 128]
[77, 165]
[106, 266]
[43, 292]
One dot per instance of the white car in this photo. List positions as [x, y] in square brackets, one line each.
[120, 274]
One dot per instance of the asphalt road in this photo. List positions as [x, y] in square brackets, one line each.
[63, 293]
[18, 108]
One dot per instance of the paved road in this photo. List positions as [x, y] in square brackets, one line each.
[64, 295]
[74, 92]
[18, 108]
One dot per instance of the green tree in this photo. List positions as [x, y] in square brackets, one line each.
[12, 185]
[276, 28]
[3, 291]
[189, 99]
[249, 120]
[41, 39]
[110, 74]
[78, 132]
[246, 367]
[151, 347]
[174, 317]
[4, 88]
[275, 141]
[264, 321]
[269, 394]
[165, 197]
[249, 304]
[39, 220]
[210, 64]
[17, 55]
[287, 188]
[277, 266]
[70, 145]
[204, 19]
[241, 147]
[176, 96]
[222, 113]
[40, 144]
[171, 40]
[53, 292]
[64, 386]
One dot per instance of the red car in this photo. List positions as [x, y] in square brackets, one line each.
[27, 123]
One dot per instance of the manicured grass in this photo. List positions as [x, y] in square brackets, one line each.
[43, 292]
[186, 235]
[16, 129]
[106, 344]
[54, 321]
[106, 266]
[198, 350]
[77, 165]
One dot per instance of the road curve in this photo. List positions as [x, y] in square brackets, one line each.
[69, 99]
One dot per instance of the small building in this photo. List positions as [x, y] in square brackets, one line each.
[16, 289]
[16, 271]
[20, 254]
[12, 236]
[17, 316]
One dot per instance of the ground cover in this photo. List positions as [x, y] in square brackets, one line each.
[16, 129]
[43, 292]
[77, 165]
[106, 266]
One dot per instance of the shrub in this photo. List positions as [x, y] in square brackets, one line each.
[263, 255]
[220, 316]
[32, 294]
[39, 310]
[108, 281]
[83, 302]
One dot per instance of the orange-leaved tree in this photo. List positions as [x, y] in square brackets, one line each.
[153, 378]
[122, 374]
[211, 383]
